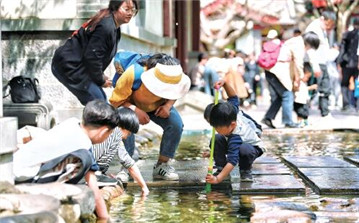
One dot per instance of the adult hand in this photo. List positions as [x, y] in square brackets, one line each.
[143, 117]
[163, 111]
[219, 83]
[296, 85]
[108, 83]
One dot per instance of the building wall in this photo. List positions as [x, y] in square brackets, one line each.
[33, 29]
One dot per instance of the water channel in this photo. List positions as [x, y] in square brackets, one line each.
[222, 206]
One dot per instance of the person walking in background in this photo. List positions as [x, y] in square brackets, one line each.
[203, 76]
[334, 76]
[323, 27]
[162, 83]
[252, 78]
[302, 98]
[234, 75]
[79, 63]
[281, 79]
[348, 61]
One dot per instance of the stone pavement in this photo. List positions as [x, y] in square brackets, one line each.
[324, 175]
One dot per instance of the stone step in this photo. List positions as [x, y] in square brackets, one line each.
[332, 180]
[316, 162]
[325, 174]
[270, 184]
[354, 159]
[270, 177]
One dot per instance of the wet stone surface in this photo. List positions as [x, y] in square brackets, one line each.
[332, 180]
[269, 184]
[267, 169]
[270, 177]
[191, 173]
[327, 175]
[316, 162]
[353, 159]
[267, 160]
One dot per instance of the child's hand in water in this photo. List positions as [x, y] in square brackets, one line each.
[206, 154]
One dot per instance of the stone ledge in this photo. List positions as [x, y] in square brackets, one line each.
[35, 24]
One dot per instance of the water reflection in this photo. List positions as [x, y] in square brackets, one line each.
[222, 206]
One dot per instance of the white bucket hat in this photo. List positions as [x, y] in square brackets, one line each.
[166, 81]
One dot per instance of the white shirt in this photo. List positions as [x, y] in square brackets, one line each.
[324, 47]
[64, 138]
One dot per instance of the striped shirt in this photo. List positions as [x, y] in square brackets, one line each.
[105, 152]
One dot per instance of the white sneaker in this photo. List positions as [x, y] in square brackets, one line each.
[123, 176]
[164, 172]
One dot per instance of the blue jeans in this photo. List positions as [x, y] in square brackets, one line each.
[172, 133]
[210, 76]
[90, 93]
[280, 96]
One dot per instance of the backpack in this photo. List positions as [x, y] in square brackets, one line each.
[124, 60]
[24, 90]
[269, 55]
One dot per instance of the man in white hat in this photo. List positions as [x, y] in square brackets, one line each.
[162, 84]
[324, 28]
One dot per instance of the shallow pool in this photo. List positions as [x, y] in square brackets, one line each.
[222, 206]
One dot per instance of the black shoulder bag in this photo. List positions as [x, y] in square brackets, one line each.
[24, 90]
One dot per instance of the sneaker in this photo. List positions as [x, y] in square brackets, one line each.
[104, 180]
[292, 125]
[268, 123]
[246, 175]
[164, 172]
[123, 176]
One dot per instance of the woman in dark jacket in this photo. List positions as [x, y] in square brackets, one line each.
[79, 63]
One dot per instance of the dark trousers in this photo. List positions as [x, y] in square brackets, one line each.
[302, 110]
[324, 90]
[247, 154]
[346, 93]
[92, 92]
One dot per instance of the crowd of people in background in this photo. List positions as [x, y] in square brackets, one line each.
[319, 73]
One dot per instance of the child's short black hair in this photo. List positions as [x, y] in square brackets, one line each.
[311, 39]
[127, 119]
[207, 111]
[99, 113]
[161, 58]
[222, 114]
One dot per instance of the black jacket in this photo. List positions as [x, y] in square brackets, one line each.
[85, 55]
[348, 57]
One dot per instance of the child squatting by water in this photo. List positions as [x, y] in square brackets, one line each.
[238, 140]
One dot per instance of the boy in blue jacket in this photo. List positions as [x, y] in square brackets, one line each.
[238, 140]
